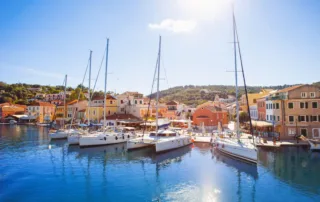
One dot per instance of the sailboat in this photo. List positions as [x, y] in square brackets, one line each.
[63, 133]
[105, 137]
[235, 147]
[162, 140]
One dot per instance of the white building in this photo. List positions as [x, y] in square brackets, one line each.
[254, 112]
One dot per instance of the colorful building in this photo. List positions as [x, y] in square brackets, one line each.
[42, 111]
[111, 104]
[261, 107]
[296, 111]
[7, 109]
[252, 98]
[210, 116]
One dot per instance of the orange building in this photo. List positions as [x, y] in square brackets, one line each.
[7, 109]
[261, 105]
[210, 116]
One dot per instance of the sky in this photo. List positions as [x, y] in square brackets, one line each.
[43, 40]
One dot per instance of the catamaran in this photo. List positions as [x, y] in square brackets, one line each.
[245, 150]
[162, 140]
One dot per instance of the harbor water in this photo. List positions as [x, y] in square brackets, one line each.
[34, 169]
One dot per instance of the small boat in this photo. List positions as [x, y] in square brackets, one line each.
[62, 133]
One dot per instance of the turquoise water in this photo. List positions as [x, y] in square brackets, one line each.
[30, 171]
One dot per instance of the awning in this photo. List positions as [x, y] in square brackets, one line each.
[260, 123]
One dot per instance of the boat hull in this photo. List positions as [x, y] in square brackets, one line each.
[137, 144]
[58, 135]
[172, 143]
[206, 139]
[238, 151]
[73, 139]
[89, 141]
[314, 146]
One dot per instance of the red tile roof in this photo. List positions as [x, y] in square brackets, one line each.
[109, 97]
[289, 89]
[44, 104]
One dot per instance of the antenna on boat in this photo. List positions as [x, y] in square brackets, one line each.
[105, 87]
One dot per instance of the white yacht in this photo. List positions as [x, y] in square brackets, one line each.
[62, 133]
[244, 150]
[162, 140]
[106, 137]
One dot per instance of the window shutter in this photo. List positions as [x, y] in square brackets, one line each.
[311, 120]
[319, 118]
[299, 119]
[307, 117]
[306, 105]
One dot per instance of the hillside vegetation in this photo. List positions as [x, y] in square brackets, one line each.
[189, 94]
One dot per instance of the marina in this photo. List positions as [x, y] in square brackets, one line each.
[33, 169]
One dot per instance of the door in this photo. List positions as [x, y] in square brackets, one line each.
[304, 132]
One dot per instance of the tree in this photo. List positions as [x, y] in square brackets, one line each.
[75, 94]
[243, 117]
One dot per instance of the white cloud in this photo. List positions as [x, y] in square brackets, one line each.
[176, 26]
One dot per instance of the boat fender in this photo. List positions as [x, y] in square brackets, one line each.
[217, 144]
[105, 138]
[222, 146]
[128, 136]
[116, 138]
[122, 136]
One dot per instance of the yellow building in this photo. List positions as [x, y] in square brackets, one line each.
[252, 98]
[97, 107]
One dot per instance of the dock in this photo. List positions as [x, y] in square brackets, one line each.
[283, 143]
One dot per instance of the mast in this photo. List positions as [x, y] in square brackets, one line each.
[64, 100]
[236, 76]
[105, 86]
[244, 79]
[157, 103]
[89, 103]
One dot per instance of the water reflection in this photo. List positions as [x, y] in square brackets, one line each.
[240, 166]
[296, 166]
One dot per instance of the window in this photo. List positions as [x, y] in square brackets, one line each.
[301, 118]
[267, 106]
[94, 112]
[303, 95]
[312, 94]
[274, 118]
[303, 131]
[314, 105]
[121, 101]
[141, 102]
[122, 109]
[313, 118]
[274, 105]
[290, 105]
[111, 102]
[267, 117]
[291, 118]
[135, 102]
[291, 131]
[254, 100]
[316, 132]
[278, 118]
[301, 105]
[277, 106]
